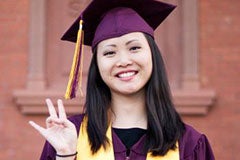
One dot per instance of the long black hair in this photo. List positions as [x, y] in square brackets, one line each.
[165, 126]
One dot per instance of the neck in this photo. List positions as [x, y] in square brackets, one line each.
[129, 111]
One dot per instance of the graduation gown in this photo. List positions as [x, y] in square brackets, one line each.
[192, 145]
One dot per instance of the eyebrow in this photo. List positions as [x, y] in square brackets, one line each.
[127, 43]
[111, 45]
[133, 40]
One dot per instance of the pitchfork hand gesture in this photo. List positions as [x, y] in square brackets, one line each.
[59, 131]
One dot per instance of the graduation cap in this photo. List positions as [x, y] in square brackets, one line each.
[104, 19]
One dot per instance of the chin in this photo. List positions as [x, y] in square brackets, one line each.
[129, 91]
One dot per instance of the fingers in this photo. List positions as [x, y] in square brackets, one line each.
[61, 110]
[54, 118]
[51, 122]
[51, 109]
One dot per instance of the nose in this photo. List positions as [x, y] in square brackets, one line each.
[124, 60]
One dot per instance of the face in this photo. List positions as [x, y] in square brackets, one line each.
[125, 63]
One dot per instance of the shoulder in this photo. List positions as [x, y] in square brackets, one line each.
[77, 120]
[190, 136]
[194, 144]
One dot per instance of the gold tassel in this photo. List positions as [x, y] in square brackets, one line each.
[81, 67]
[76, 69]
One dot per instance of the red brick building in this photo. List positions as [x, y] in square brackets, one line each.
[33, 66]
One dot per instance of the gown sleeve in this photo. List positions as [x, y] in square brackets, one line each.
[48, 152]
[195, 146]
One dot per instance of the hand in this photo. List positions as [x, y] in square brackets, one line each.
[60, 132]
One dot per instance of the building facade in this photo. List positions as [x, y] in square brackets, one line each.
[199, 42]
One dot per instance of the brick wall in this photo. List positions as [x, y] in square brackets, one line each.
[13, 69]
[13, 45]
[219, 69]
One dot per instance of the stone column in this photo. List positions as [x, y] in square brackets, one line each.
[190, 45]
[190, 98]
[37, 40]
[31, 99]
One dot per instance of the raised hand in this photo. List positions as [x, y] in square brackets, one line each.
[59, 131]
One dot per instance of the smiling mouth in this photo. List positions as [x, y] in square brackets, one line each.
[126, 74]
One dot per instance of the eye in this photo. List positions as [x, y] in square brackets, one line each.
[110, 53]
[135, 48]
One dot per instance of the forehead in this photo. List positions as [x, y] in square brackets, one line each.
[130, 37]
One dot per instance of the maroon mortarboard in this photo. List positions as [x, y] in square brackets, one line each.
[104, 19]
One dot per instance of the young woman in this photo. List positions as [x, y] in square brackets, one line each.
[129, 112]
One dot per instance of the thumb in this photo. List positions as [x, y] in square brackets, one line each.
[40, 129]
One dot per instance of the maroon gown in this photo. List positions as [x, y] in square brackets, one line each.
[192, 145]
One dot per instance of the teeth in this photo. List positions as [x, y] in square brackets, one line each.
[127, 74]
